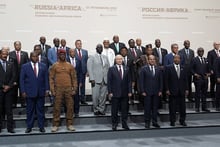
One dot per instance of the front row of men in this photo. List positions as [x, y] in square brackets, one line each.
[115, 79]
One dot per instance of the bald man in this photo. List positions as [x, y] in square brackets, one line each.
[119, 89]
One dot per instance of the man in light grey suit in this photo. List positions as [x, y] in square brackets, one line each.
[97, 67]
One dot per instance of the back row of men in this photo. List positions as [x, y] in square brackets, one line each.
[135, 57]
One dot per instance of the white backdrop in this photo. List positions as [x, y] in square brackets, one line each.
[92, 20]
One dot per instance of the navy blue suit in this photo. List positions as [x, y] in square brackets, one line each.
[201, 83]
[120, 89]
[35, 88]
[79, 73]
[84, 54]
[168, 59]
[177, 88]
[112, 46]
[151, 85]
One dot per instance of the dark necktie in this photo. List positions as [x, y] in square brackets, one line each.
[120, 72]
[4, 65]
[80, 55]
[202, 60]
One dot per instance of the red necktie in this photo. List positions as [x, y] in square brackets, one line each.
[18, 57]
[120, 71]
[133, 52]
[80, 55]
[35, 69]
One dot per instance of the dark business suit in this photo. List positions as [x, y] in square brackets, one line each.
[120, 89]
[212, 55]
[44, 60]
[201, 84]
[112, 46]
[35, 88]
[177, 88]
[6, 98]
[187, 63]
[83, 60]
[23, 59]
[141, 48]
[151, 84]
[217, 75]
[79, 73]
[45, 49]
[163, 54]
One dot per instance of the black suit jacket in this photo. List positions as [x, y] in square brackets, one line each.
[163, 53]
[173, 83]
[45, 51]
[211, 58]
[9, 77]
[117, 86]
[23, 59]
[150, 84]
[142, 49]
[112, 46]
[198, 68]
[217, 67]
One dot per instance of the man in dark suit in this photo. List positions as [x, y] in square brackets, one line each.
[63, 46]
[200, 72]
[82, 55]
[139, 45]
[134, 54]
[7, 80]
[119, 89]
[151, 85]
[45, 47]
[34, 86]
[20, 58]
[212, 56]
[176, 89]
[116, 45]
[42, 59]
[188, 55]
[159, 52]
[76, 63]
[217, 75]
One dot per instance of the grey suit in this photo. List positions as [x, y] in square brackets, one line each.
[98, 70]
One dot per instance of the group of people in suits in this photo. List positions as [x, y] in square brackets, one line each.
[115, 72]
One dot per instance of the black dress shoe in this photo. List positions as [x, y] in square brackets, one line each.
[197, 110]
[101, 113]
[156, 125]
[147, 125]
[191, 100]
[42, 130]
[84, 103]
[114, 127]
[205, 110]
[129, 113]
[11, 131]
[28, 130]
[172, 124]
[76, 115]
[96, 113]
[183, 124]
[217, 109]
[125, 126]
